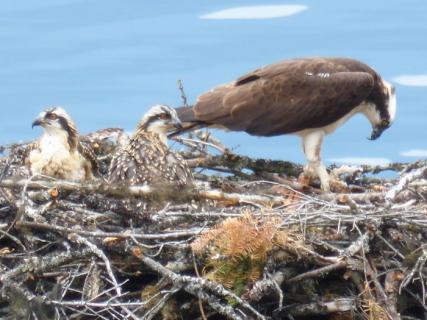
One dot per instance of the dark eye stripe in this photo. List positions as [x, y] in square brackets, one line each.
[164, 116]
[51, 116]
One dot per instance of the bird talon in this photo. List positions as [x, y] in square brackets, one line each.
[304, 180]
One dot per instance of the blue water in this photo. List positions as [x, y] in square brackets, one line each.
[107, 61]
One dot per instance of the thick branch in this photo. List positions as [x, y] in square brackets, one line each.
[404, 181]
[39, 265]
[237, 162]
[141, 191]
[100, 234]
[342, 261]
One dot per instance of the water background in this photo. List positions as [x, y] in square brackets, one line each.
[108, 61]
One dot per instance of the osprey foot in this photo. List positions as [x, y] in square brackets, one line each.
[305, 180]
[308, 181]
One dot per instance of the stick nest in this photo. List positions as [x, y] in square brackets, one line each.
[252, 242]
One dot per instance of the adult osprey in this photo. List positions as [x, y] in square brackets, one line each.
[308, 97]
[146, 159]
[59, 152]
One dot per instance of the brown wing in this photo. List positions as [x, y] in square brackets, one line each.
[27, 150]
[287, 97]
[179, 170]
[18, 164]
[87, 152]
[123, 168]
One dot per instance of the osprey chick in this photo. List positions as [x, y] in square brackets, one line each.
[59, 152]
[308, 97]
[147, 159]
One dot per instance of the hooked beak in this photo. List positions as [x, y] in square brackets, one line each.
[177, 128]
[176, 123]
[378, 130]
[37, 122]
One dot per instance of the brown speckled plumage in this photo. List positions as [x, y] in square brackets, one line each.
[86, 150]
[146, 159]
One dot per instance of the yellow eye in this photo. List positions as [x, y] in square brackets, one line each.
[385, 123]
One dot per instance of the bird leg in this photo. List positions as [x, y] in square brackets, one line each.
[315, 168]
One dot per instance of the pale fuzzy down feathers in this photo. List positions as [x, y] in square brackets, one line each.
[59, 152]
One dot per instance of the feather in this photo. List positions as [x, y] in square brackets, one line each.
[86, 150]
[147, 160]
[286, 97]
[309, 97]
[59, 152]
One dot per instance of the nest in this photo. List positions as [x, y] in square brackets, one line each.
[250, 243]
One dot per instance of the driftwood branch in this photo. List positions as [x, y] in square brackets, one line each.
[99, 234]
[404, 182]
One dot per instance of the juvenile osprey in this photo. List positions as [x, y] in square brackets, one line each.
[59, 152]
[308, 97]
[147, 159]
